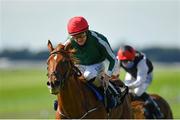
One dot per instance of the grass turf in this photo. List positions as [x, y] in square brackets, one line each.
[24, 94]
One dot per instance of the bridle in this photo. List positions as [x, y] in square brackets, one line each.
[58, 75]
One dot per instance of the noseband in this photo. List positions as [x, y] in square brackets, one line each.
[60, 79]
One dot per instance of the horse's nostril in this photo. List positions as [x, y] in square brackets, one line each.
[48, 83]
[51, 84]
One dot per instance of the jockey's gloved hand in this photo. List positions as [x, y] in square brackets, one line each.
[106, 79]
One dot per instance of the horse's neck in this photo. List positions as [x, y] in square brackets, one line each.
[72, 96]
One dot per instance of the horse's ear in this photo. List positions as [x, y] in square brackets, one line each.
[50, 46]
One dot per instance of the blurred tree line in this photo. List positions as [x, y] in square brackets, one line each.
[165, 55]
[24, 54]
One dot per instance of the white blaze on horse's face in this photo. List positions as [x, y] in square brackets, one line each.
[55, 57]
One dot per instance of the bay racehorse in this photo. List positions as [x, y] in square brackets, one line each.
[75, 99]
[142, 111]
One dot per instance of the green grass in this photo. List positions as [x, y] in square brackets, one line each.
[24, 94]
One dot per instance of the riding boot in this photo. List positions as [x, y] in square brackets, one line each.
[116, 92]
[153, 106]
[111, 98]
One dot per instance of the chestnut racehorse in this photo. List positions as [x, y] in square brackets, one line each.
[139, 107]
[75, 100]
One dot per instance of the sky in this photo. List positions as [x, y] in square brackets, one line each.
[140, 23]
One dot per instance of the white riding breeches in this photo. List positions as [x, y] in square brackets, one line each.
[139, 90]
[91, 71]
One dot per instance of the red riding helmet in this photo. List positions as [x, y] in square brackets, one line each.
[77, 25]
[126, 53]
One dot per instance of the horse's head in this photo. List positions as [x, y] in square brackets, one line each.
[60, 64]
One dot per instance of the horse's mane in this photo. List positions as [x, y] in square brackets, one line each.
[68, 52]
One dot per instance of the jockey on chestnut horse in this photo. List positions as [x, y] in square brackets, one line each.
[77, 98]
[91, 49]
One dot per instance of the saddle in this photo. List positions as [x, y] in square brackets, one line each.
[113, 96]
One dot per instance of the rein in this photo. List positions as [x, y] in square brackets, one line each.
[83, 116]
